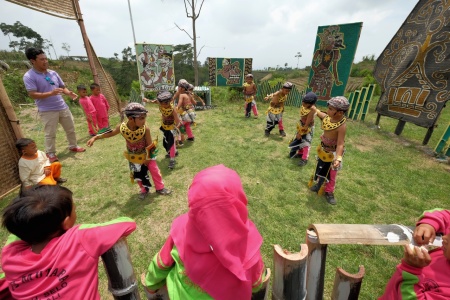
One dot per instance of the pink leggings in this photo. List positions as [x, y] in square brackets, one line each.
[187, 127]
[304, 152]
[156, 176]
[330, 185]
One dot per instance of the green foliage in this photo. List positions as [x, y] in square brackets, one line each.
[369, 79]
[14, 86]
[27, 36]
[275, 80]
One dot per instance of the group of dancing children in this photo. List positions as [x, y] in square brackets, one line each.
[141, 149]
[331, 150]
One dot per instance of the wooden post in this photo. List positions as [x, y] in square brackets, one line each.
[400, 126]
[263, 293]
[80, 21]
[289, 281]
[10, 112]
[428, 135]
[315, 275]
[122, 281]
[346, 285]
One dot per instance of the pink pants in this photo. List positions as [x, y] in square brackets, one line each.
[280, 125]
[330, 185]
[304, 152]
[93, 126]
[187, 127]
[103, 122]
[156, 174]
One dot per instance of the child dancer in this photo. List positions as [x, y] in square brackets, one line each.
[89, 110]
[169, 124]
[101, 106]
[331, 150]
[301, 144]
[35, 167]
[185, 108]
[276, 108]
[249, 96]
[141, 150]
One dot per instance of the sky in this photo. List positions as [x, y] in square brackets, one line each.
[270, 32]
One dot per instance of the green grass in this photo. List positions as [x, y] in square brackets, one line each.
[386, 179]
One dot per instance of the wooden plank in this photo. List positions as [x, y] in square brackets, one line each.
[362, 234]
[354, 104]
[289, 273]
[365, 109]
[347, 286]
[442, 147]
[361, 99]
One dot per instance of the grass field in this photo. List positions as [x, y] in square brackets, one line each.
[386, 179]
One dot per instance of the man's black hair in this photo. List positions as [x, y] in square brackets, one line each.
[38, 213]
[32, 53]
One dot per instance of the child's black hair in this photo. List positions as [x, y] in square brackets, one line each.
[22, 143]
[81, 87]
[94, 85]
[38, 213]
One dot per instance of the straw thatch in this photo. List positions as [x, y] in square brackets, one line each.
[61, 8]
[107, 84]
[9, 133]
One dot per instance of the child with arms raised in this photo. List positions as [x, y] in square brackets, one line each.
[47, 255]
[141, 150]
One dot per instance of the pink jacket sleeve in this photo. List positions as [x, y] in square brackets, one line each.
[438, 218]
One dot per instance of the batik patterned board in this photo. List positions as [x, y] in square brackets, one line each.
[155, 67]
[413, 70]
[334, 52]
[228, 71]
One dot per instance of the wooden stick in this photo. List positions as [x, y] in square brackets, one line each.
[289, 273]
[315, 275]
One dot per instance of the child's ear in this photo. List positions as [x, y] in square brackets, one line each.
[67, 223]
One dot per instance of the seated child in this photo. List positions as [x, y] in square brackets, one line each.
[301, 144]
[141, 150]
[213, 251]
[424, 274]
[47, 256]
[35, 167]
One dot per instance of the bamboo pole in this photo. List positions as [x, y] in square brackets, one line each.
[347, 286]
[122, 281]
[289, 281]
[315, 274]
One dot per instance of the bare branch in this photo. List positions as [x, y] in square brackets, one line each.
[185, 7]
[184, 31]
[198, 54]
[198, 14]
